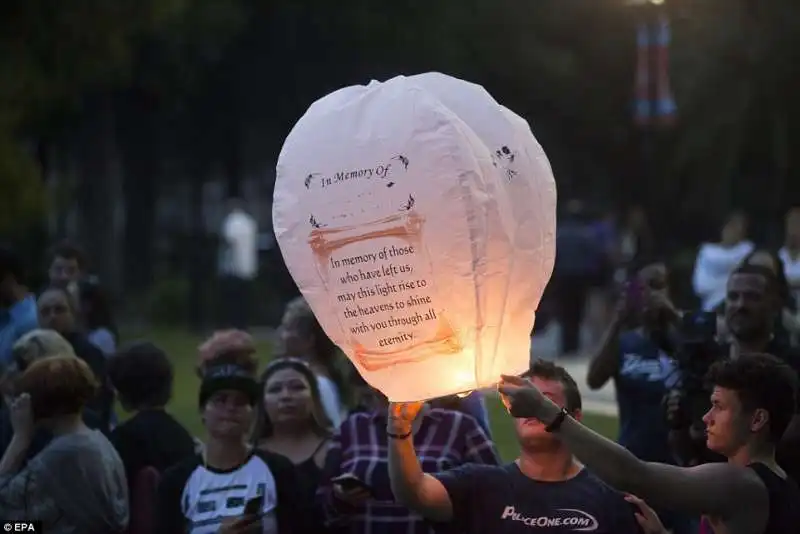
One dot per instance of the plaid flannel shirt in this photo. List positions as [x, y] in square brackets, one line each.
[444, 440]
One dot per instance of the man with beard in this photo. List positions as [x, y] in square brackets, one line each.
[751, 313]
[752, 310]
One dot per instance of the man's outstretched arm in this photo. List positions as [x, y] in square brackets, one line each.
[718, 488]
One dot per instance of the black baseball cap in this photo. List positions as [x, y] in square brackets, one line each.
[229, 376]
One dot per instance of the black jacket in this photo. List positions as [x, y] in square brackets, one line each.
[103, 403]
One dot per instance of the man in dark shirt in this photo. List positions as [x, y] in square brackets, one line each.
[142, 375]
[544, 489]
[103, 403]
[752, 402]
[752, 309]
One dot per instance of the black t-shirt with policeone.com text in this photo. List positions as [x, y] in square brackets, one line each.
[502, 500]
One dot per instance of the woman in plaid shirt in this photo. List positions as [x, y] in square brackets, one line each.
[356, 495]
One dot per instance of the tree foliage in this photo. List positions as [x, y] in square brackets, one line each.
[222, 80]
[52, 53]
[734, 65]
[22, 190]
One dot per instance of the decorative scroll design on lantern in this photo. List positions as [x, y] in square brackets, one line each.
[316, 224]
[310, 178]
[403, 161]
[504, 158]
[407, 226]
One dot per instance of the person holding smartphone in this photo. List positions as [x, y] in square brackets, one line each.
[638, 360]
[636, 355]
[230, 487]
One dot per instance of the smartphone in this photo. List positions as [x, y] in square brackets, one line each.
[254, 505]
[350, 482]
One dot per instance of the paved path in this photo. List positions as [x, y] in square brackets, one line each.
[545, 345]
[601, 401]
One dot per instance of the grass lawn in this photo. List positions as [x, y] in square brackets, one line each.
[182, 348]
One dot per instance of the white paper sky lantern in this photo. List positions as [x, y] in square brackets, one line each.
[417, 217]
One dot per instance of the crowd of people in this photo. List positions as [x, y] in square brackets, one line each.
[596, 256]
[709, 440]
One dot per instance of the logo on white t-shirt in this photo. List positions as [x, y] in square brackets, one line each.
[571, 518]
[209, 497]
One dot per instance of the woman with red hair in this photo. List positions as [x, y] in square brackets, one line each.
[77, 482]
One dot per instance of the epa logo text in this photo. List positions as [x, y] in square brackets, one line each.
[30, 527]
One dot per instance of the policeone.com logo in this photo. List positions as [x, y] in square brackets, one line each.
[576, 520]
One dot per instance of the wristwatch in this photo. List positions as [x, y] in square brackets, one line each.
[556, 423]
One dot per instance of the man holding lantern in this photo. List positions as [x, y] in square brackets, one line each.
[545, 488]
[752, 404]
